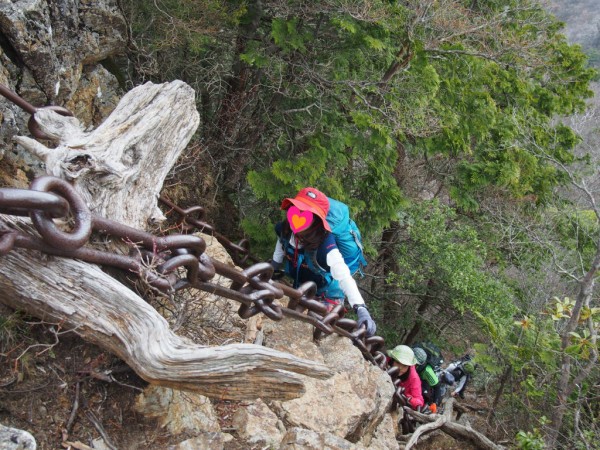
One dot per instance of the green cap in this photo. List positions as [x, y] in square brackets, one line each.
[469, 367]
[403, 354]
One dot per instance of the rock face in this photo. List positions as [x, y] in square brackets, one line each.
[54, 41]
[178, 411]
[51, 55]
[14, 439]
[347, 411]
[351, 403]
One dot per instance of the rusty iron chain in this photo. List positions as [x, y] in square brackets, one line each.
[192, 220]
[168, 263]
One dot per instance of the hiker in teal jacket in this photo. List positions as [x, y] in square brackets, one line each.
[307, 251]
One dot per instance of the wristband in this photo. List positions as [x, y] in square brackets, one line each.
[355, 307]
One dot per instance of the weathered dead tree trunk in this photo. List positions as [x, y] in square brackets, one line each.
[119, 169]
[81, 297]
[445, 423]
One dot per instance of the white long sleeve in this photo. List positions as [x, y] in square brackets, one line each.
[278, 253]
[341, 273]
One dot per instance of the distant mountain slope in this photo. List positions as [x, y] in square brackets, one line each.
[582, 19]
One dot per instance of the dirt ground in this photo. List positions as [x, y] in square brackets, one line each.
[73, 392]
[68, 393]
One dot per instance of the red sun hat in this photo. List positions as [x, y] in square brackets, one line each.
[310, 199]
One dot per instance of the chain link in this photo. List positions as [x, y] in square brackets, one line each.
[34, 127]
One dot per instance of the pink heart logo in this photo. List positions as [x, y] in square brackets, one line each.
[299, 220]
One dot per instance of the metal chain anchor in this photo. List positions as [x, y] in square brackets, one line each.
[32, 125]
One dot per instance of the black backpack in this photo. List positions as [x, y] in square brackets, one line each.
[434, 354]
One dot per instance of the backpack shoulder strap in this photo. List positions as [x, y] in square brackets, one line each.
[338, 215]
[318, 258]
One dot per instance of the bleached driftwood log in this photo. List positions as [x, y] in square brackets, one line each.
[119, 168]
[81, 297]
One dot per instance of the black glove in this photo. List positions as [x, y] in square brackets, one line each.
[364, 318]
[278, 274]
[275, 265]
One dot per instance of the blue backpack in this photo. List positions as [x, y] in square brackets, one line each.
[347, 235]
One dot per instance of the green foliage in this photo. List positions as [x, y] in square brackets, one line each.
[185, 40]
[531, 348]
[582, 343]
[556, 96]
[329, 119]
[287, 36]
[486, 360]
[577, 229]
[495, 117]
[352, 152]
[530, 440]
[501, 138]
[254, 56]
[368, 155]
[263, 232]
[445, 258]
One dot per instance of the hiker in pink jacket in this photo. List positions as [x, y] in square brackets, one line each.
[403, 357]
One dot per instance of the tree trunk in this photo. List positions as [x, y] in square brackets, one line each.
[500, 390]
[101, 310]
[423, 306]
[403, 58]
[445, 424]
[119, 169]
[567, 383]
